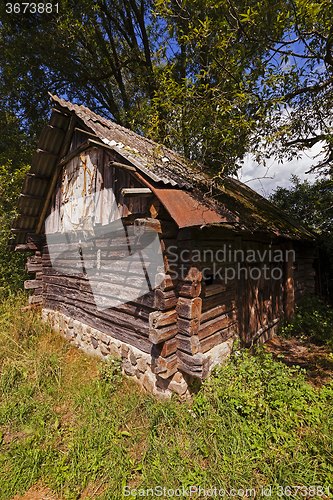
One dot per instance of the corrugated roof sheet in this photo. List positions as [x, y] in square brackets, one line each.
[170, 177]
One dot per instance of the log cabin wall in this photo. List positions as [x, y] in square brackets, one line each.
[67, 286]
[305, 281]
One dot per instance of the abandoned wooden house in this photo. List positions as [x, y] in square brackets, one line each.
[137, 254]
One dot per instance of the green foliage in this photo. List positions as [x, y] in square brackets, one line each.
[254, 423]
[313, 319]
[213, 80]
[312, 205]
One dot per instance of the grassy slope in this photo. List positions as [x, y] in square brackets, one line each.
[74, 424]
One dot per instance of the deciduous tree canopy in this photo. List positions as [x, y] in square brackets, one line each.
[213, 79]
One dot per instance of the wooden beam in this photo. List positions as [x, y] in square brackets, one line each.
[27, 247]
[52, 127]
[42, 151]
[136, 192]
[64, 149]
[32, 196]
[92, 134]
[39, 176]
[19, 230]
[122, 166]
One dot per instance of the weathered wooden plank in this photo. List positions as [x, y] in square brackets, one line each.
[87, 301]
[189, 308]
[33, 268]
[190, 345]
[165, 367]
[219, 323]
[188, 326]
[35, 299]
[158, 335]
[32, 284]
[217, 300]
[214, 290]
[136, 192]
[167, 348]
[187, 289]
[159, 319]
[217, 311]
[165, 300]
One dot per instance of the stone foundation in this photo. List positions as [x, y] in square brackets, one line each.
[136, 363]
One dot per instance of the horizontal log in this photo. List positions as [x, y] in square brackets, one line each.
[38, 291]
[216, 339]
[33, 268]
[189, 308]
[31, 284]
[211, 290]
[136, 192]
[193, 365]
[188, 327]
[35, 299]
[34, 259]
[158, 335]
[217, 300]
[219, 323]
[39, 276]
[167, 348]
[217, 311]
[27, 247]
[186, 289]
[190, 345]
[164, 282]
[113, 330]
[158, 319]
[165, 300]
[165, 367]
[122, 166]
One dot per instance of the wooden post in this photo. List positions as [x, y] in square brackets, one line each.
[289, 299]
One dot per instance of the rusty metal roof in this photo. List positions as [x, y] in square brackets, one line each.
[187, 194]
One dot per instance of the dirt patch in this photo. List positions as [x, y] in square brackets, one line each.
[37, 493]
[317, 360]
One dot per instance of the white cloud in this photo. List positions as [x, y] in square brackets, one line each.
[265, 179]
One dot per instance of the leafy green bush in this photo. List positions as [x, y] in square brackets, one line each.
[313, 319]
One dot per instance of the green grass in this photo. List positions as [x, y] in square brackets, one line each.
[73, 423]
